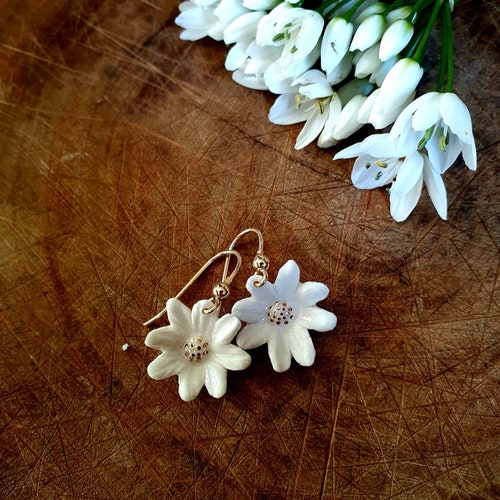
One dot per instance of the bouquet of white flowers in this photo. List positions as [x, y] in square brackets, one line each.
[341, 64]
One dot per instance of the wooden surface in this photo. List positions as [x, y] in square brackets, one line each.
[127, 159]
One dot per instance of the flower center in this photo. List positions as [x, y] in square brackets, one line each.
[280, 313]
[195, 349]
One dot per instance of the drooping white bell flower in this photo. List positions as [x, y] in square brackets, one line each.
[308, 100]
[395, 39]
[381, 161]
[341, 71]
[197, 347]
[241, 32]
[396, 91]
[342, 120]
[367, 62]
[368, 33]
[251, 73]
[280, 314]
[297, 32]
[368, 9]
[440, 123]
[203, 18]
[195, 20]
[335, 43]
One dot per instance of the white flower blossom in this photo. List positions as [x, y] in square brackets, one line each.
[335, 43]
[297, 32]
[441, 123]
[395, 39]
[307, 99]
[368, 33]
[396, 91]
[197, 347]
[367, 62]
[342, 120]
[201, 18]
[280, 314]
[241, 32]
[251, 73]
[381, 161]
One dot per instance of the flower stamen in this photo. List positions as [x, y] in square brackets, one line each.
[280, 313]
[195, 349]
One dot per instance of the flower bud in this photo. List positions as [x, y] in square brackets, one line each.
[395, 39]
[369, 32]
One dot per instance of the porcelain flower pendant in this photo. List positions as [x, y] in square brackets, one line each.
[197, 347]
[281, 314]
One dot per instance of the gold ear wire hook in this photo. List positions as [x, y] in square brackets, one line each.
[260, 262]
[220, 290]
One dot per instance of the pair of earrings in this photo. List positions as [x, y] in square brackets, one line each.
[197, 344]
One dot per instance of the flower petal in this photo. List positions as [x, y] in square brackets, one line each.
[279, 351]
[179, 315]
[301, 345]
[250, 310]
[402, 204]
[254, 335]
[311, 129]
[166, 337]
[232, 357]
[426, 116]
[409, 173]
[287, 279]
[436, 189]
[285, 112]
[190, 382]
[316, 318]
[456, 115]
[166, 365]
[225, 329]
[311, 292]
[369, 172]
[216, 380]
[203, 323]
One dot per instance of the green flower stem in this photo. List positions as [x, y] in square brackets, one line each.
[447, 42]
[332, 6]
[419, 53]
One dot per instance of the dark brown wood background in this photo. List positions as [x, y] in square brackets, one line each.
[127, 159]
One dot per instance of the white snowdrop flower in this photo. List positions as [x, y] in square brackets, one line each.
[399, 13]
[197, 347]
[367, 62]
[395, 39]
[440, 123]
[207, 19]
[280, 314]
[335, 43]
[378, 76]
[241, 32]
[369, 10]
[310, 103]
[251, 73]
[380, 162]
[297, 32]
[196, 21]
[396, 91]
[369, 32]
[340, 72]
[345, 122]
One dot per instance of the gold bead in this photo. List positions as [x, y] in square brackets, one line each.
[220, 291]
[260, 262]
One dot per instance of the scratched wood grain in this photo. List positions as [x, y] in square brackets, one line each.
[127, 159]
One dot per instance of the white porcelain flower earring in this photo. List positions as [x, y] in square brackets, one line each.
[196, 345]
[281, 313]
